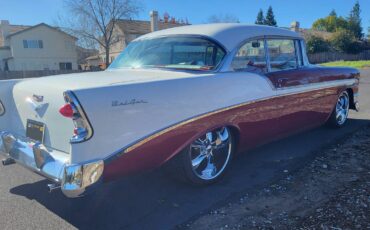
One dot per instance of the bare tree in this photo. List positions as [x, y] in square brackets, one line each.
[95, 20]
[223, 18]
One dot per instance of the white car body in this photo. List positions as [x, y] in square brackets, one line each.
[125, 107]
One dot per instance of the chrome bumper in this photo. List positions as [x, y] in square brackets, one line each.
[74, 179]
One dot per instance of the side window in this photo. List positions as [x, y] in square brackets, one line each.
[283, 55]
[251, 57]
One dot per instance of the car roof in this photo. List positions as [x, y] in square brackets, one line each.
[230, 35]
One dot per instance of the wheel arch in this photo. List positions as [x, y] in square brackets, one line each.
[351, 98]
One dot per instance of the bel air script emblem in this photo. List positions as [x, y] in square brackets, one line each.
[128, 102]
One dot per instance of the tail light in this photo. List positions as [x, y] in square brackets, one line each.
[72, 109]
[67, 110]
[2, 108]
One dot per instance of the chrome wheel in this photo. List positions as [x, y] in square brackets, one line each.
[211, 153]
[342, 108]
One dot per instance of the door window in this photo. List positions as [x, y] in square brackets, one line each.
[251, 57]
[282, 53]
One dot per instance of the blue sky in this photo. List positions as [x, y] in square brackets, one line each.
[30, 12]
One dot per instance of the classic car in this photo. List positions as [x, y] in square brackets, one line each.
[190, 97]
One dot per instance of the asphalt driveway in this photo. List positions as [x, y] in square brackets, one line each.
[154, 200]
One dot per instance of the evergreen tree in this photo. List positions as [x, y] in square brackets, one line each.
[260, 18]
[270, 17]
[354, 21]
[333, 13]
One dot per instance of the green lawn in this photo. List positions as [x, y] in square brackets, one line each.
[354, 64]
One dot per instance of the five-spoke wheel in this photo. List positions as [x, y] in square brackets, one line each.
[206, 159]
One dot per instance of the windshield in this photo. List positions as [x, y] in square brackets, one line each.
[170, 52]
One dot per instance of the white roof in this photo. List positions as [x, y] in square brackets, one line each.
[229, 35]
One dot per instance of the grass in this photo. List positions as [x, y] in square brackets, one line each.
[354, 64]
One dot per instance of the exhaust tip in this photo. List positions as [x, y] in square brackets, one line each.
[52, 187]
[7, 161]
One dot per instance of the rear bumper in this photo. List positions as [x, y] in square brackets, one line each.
[75, 180]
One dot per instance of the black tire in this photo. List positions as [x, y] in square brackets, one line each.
[182, 167]
[339, 116]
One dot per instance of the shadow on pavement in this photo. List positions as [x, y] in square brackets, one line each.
[155, 201]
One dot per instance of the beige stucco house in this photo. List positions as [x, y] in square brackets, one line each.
[39, 47]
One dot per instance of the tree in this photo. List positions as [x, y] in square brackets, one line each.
[317, 44]
[345, 41]
[223, 18]
[333, 13]
[354, 21]
[331, 23]
[270, 17]
[95, 20]
[260, 18]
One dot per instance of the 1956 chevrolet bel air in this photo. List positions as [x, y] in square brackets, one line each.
[192, 96]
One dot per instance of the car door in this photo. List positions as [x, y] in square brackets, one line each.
[300, 105]
[251, 58]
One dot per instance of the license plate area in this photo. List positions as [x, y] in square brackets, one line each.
[35, 130]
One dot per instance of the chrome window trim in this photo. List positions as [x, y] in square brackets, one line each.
[267, 54]
[306, 62]
[2, 109]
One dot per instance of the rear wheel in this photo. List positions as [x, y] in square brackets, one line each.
[340, 113]
[207, 158]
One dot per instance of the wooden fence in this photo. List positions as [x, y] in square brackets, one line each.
[336, 56]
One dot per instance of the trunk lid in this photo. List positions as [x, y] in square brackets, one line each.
[40, 99]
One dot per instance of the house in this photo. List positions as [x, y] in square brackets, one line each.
[127, 30]
[39, 47]
[308, 33]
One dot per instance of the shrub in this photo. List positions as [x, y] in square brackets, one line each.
[344, 41]
[317, 44]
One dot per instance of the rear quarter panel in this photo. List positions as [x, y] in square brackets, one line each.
[166, 103]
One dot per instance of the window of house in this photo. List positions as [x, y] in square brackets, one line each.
[65, 66]
[33, 44]
[251, 57]
[283, 55]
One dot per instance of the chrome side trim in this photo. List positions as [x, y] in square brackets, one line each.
[158, 133]
[2, 108]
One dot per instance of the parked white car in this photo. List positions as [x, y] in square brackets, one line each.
[192, 96]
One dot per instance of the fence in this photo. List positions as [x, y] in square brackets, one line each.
[35, 73]
[336, 56]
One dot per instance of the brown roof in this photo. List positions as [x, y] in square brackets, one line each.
[307, 33]
[16, 29]
[142, 27]
[13, 29]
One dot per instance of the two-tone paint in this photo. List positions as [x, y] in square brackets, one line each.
[141, 118]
